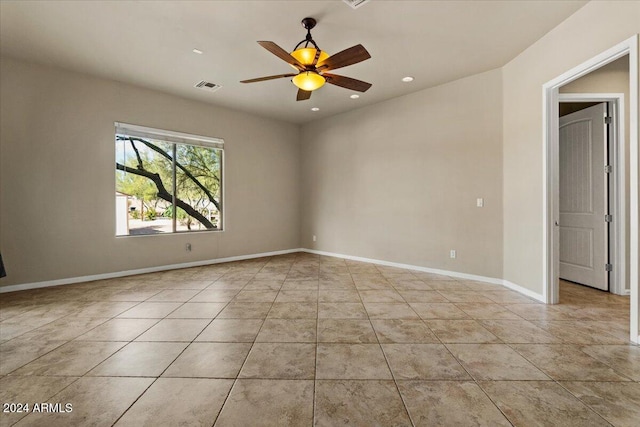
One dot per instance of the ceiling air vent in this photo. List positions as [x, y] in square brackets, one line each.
[356, 3]
[208, 86]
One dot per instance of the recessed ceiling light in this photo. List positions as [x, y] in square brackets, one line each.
[407, 79]
[315, 109]
[198, 51]
[354, 96]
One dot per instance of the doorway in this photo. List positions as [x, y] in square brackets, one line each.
[550, 171]
[591, 181]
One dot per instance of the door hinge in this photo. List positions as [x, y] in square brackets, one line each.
[608, 267]
[607, 120]
[608, 169]
[608, 218]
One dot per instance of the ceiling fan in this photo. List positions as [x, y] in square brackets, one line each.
[312, 65]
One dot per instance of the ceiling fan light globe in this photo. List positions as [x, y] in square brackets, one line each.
[306, 55]
[308, 80]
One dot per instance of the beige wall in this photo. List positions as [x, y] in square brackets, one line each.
[57, 176]
[612, 78]
[398, 181]
[591, 30]
[395, 181]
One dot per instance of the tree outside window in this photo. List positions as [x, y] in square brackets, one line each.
[164, 186]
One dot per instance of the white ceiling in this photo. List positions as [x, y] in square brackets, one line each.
[150, 44]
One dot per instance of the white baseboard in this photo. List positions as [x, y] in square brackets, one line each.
[72, 280]
[81, 279]
[524, 291]
[467, 276]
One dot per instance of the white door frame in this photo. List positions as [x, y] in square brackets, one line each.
[550, 192]
[617, 241]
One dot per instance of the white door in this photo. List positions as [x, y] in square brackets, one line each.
[583, 198]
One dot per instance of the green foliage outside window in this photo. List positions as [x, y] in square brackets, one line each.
[145, 174]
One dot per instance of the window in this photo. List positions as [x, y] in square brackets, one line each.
[167, 182]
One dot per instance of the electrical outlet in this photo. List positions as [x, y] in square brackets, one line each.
[480, 202]
[452, 253]
[187, 247]
[314, 238]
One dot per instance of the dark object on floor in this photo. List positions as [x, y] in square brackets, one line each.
[2, 270]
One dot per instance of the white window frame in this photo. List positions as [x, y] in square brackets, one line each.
[179, 138]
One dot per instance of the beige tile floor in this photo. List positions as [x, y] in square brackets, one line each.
[308, 340]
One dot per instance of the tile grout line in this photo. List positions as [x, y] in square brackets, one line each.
[98, 364]
[65, 342]
[477, 383]
[559, 383]
[594, 410]
[75, 339]
[315, 362]
[474, 380]
[164, 370]
[393, 377]
[235, 380]
[358, 291]
[174, 359]
[70, 315]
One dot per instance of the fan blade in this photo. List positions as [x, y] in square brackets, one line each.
[281, 53]
[350, 56]
[347, 82]
[303, 95]
[261, 79]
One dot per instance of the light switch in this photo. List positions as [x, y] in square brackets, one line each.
[480, 202]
